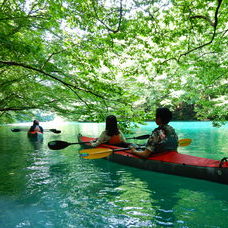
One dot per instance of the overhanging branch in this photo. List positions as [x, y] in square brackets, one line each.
[213, 35]
[205, 18]
[119, 21]
[11, 63]
[214, 24]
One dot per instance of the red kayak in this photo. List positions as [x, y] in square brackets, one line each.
[171, 162]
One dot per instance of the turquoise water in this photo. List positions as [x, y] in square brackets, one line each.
[45, 188]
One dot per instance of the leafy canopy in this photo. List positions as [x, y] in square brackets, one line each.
[85, 59]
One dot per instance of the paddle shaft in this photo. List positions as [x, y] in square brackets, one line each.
[92, 140]
[101, 152]
[58, 144]
[52, 130]
[137, 137]
[77, 143]
[96, 153]
[140, 137]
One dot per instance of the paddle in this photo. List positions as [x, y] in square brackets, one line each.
[97, 153]
[52, 130]
[184, 142]
[140, 137]
[58, 144]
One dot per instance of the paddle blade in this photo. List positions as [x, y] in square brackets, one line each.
[15, 130]
[184, 142]
[58, 145]
[55, 131]
[95, 153]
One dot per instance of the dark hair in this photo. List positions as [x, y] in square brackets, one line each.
[164, 114]
[111, 126]
[35, 122]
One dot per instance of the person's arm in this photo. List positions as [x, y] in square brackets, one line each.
[102, 139]
[150, 146]
[41, 129]
[144, 154]
[31, 128]
[122, 137]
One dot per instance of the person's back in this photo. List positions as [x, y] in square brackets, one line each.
[111, 135]
[36, 127]
[163, 138]
[168, 139]
[115, 139]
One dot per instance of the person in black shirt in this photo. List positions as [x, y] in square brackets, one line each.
[36, 127]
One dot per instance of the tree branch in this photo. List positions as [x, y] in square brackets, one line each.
[102, 22]
[18, 108]
[205, 18]
[215, 23]
[49, 75]
[25, 17]
[213, 35]
[26, 107]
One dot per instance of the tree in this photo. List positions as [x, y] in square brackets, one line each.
[86, 59]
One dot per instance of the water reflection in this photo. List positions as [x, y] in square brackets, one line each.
[164, 200]
[36, 142]
[40, 188]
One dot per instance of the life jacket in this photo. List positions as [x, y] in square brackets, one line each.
[35, 128]
[115, 139]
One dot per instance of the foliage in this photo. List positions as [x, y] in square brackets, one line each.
[85, 59]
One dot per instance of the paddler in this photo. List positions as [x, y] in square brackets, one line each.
[163, 138]
[111, 135]
[36, 127]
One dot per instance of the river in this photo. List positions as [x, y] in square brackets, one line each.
[40, 187]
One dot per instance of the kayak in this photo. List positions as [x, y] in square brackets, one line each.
[170, 162]
[35, 135]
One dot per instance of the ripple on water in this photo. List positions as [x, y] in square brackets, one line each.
[44, 188]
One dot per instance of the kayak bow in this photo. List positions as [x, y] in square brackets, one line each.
[36, 135]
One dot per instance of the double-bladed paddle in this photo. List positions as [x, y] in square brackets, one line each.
[52, 130]
[140, 137]
[58, 144]
[97, 153]
[184, 142]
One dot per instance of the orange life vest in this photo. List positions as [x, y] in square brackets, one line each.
[115, 139]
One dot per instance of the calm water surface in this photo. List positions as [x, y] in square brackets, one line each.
[57, 189]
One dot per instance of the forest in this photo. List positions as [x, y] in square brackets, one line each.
[85, 59]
